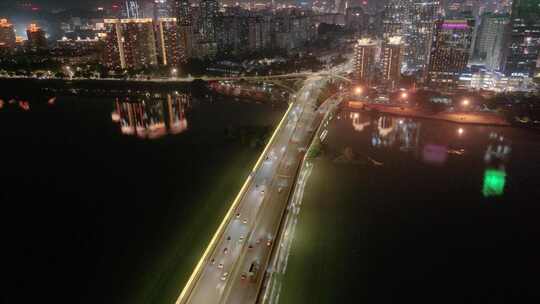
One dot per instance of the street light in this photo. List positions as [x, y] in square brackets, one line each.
[358, 90]
[69, 72]
[174, 72]
[460, 131]
[465, 102]
[404, 95]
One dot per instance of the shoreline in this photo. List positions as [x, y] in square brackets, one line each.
[490, 119]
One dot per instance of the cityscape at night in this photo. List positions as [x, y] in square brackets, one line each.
[270, 151]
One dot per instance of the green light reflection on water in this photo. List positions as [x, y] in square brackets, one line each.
[494, 181]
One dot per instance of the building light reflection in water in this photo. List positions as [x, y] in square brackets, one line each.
[152, 117]
[388, 131]
[403, 133]
[496, 156]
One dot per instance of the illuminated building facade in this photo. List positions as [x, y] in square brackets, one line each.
[450, 53]
[182, 12]
[78, 46]
[525, 38]
[170, 50]
[420, 36]
[207, 26]
[162, 9]
[490, 47]
[391, 58]
[36, 37]
[130, 43]
[132, 9]
[7, 35]
[259, 37]
[397, 18]
[365, 52]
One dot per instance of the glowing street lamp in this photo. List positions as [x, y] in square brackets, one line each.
[466, 102]
[358, 90]
[174, 72]
[460, 131]
[404, 95]
[69, 71]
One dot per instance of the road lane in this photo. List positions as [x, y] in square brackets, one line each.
[246, 235]
[243, 288]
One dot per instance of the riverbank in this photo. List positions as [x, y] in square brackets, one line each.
[477, 118]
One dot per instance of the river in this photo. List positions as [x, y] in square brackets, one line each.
[411, 210]
[111, 199]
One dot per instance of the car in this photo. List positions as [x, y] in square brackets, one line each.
[268, 243]
[225, 275]
[250, 247]
[237, 215]
[212, 261]
[220, 266]
[229, 238]
[241, 239]
[243, 276]
[225, 251]
[245, 221]
[262, 192]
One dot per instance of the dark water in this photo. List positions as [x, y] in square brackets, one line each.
[111, 200]
[411, 210]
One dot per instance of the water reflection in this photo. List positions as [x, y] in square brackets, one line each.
[497, 154]
[388, 131]
[438, 143]
[153, 116]
[435, 154]
[403, 133]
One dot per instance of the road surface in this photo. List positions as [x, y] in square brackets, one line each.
[247, 235]
[233, 266]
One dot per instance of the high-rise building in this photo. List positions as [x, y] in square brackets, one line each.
[525, 38]
[365, 51]
[132, 9]
[259, 37]
[182, 12]
[392, 58]
[163, 9]
[490, 48]
[130, 43]
[170, 50]
[450, 53]
[397, 18]
[420, 35]
[356, 20]
[7, 35]
[36, 37]
[207, 25]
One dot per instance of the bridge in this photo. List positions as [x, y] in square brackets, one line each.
[233, 266]
[272, 77]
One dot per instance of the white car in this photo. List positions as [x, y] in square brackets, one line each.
[225, 275]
